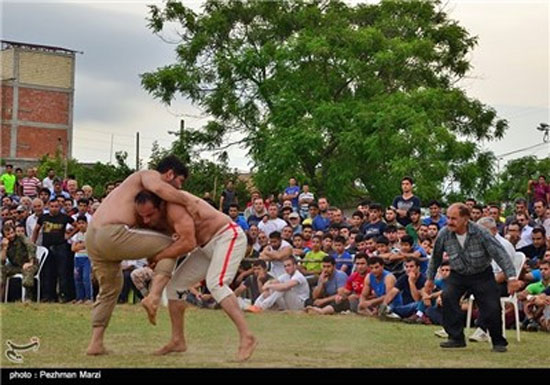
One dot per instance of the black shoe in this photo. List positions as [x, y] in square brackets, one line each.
[499, 349]
[453, 344]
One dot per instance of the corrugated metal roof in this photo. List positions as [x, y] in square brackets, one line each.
[6, 44]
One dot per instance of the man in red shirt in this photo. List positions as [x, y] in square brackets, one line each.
[348, 296]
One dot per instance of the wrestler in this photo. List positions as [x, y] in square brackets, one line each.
[219, 246]
[110, 239]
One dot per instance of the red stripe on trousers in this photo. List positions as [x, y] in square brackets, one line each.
[229, 251]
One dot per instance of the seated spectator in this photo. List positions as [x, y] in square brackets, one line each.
[525, 231]
[533, 307]
[286, 234]
[258, 213]
[277, 251]
[200, 296]
[327, 242]
[390, 216]
[535, 251]
[422, 232]
[295, 224]
[435, 215]
[409, 286]
[391, 233]
[21, 255]
[375, 226]
[299, 251]
[313, 258]
[233, 213]
[20, 230]
[542, 220]
[285, 213]
[330, 281]
[409, 249]
[356, 221]
[334, 230]
[513, 233]
[262, 242]
[245, 268]
[429, 309]
[345, 261]
[413, 227]
[348, 296]
[476, 213]
[141, 278]
[377, 284]
[272, 222]
[370, 245]
[307, 234]
[252, 286]
[289, 292]
[428, 245]
[494, 212]
[433, 231]
[393, 260]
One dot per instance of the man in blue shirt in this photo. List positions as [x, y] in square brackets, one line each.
[435, 215]
[376, 225]
[235, 217]
[328, 284]
[409, 286]
[292, 192]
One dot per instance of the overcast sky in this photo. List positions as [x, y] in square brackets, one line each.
[511, 70]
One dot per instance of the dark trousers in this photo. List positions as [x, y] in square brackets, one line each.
[57, 268]
[486, 293]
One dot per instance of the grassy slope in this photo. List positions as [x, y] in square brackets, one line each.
[286, 340]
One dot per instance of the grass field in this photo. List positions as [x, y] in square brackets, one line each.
[285, 340]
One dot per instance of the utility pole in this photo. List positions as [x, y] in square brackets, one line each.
[137, 151]
[111, 153]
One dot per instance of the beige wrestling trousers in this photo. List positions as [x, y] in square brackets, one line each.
[217, 262]
[107, 247]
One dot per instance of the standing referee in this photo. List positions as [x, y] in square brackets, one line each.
[470, 249]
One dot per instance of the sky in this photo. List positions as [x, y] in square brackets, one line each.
[510, 71]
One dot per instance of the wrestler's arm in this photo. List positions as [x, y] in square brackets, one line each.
[151, 180]
[184, 227]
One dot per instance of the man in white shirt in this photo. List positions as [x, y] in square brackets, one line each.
[47, 182]
[289, 292]
[273, 223]
[38, 211]
[525, 235]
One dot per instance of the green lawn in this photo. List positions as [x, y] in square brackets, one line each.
[285, 340]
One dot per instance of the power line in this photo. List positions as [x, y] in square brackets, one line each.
[520, 150]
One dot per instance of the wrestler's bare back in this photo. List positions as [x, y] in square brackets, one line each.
[207, 220]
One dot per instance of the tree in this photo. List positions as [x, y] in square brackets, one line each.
[513, 180]
[331, 93]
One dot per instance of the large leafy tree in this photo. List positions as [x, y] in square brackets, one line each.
[346, 97]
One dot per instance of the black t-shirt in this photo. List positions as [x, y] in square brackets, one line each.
[229, 198]
[251, 282]
[53, 228]
[401, 203]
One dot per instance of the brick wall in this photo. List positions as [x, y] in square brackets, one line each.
[45, 69]
[43, 106]
[6, 101]
[35, 142]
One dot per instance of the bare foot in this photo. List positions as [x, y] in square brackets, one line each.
[171, 347]
[151, 308]
[96, 350]
[247, 348]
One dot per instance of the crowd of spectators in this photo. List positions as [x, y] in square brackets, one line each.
[304, 254]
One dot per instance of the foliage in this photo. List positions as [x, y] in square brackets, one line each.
[96, 175]
[333, 94]
[512, 182]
